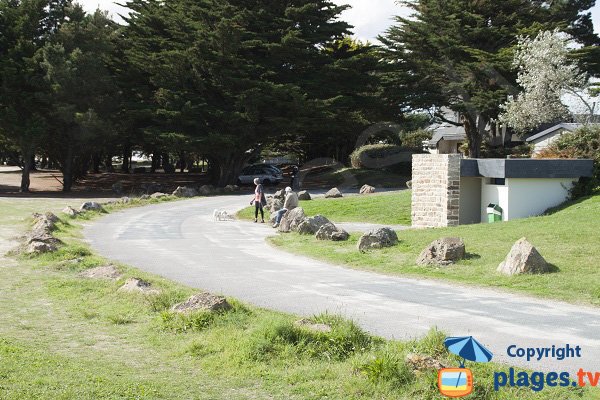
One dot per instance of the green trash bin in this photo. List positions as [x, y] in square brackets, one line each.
[494, 212]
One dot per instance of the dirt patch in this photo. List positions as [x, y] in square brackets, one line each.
[421, 363]
[138, 285]
[203, 301]
[307, 324]
[105, 272]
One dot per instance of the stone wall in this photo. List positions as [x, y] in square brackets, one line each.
[435, 190]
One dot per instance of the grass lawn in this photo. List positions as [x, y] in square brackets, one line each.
[66, 337]
[568, 239]
[383, 208]
[357, 177]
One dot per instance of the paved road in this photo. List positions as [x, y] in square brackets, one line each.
[181, 242]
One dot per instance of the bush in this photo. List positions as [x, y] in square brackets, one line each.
[582, 143]
[387, 367]
[414, 140]
[376, 156]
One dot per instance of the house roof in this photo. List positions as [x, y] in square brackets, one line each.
[566, 126]
[526, 168]
[448, 132]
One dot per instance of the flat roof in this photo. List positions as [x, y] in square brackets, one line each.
[526, 168]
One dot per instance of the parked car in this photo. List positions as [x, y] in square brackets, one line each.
[267, 174]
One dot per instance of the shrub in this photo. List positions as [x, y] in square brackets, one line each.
[414, 140]
[582, 143]
[376, 156]
[389, 368]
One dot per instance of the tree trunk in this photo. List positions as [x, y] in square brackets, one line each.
[97, 160]
[155, 162]
[126, 158]
[474, 133]
[182, 161]
[25, 181]
[68, 169]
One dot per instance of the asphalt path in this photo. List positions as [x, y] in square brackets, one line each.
[180, 241]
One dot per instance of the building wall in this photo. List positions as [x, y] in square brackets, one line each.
[436, 190]
[529, 197]
[470, 200]
[493, 194]
[544, 142]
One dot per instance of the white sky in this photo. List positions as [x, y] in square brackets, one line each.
[369, 17]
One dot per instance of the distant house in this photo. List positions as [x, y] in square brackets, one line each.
[446, 139]
[544, 138]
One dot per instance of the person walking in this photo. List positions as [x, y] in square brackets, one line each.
[259, 201]
[291, 202]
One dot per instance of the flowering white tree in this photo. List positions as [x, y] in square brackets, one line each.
[546, 74]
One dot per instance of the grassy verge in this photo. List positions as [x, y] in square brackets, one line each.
[358, 177]
[384, 208]
[567, 239]
[63, 336]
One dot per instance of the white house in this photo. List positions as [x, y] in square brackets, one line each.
[544, 138]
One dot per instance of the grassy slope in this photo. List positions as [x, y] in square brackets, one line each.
[568, 239]
[384, 208]
[66, 337]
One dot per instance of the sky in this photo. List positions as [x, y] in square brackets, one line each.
[369, 17]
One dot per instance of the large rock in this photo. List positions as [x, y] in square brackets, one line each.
[443, 252]
[311, 225]
[125, 200]
[280, 194]
[377, 239]
[158, 195]
[333, 194]
[409, 184]
[70, 211]
[206, 190]
[304, 195]
[138, 285]
[183, 191]
[151, 187]
[291, 220]
[40, 248]
[231, 188]
[523, 258]
[203, 301]
[44, 222]
[366, 189]
[91, 206]
[274, 205]
[41, 236]
[331, 232]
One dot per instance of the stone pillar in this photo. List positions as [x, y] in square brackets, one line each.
[435, 190]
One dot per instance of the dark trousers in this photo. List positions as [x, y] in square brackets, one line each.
[258, 206]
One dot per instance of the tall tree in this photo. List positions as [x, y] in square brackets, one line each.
[458, 54]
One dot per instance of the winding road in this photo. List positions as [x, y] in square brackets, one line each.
[180, 241]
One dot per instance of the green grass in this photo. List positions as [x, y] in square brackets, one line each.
[66, 337]
[568, 239]
[383, 208]
[355, 177]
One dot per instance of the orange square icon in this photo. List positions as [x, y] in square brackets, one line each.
[455, 382]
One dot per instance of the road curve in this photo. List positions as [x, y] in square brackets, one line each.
[180, 241]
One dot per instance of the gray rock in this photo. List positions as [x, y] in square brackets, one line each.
[366, 189]
[304, 195]
[377, 239]
[44, 222]
[523, 258]
[310, 226]
[206, 190]
[125, 200]
[232, 188]
[291, 220]
[280, 194]
[158, 195]
[312, 326]
[40, 248]
[183, 191]
[149, 188]
[274, 205]
[442, 252]
[41, 236]
[117, 188]
[333, 194]
[331, 232]
[91, 206]
[409, 184]
[203, 301]
[138, 285]
[70, 211]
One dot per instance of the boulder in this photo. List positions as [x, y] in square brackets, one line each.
[41, 236]
[151, 187]
[312, 326]
[203, 301]
[445, 251]
[523, 258]
[206, 190]
[232, 188]
[377, 239]
[106, 272]
[331, 232]
[274, 205]
[117, 188]
[409, 184]
[304, 195]
[333, 194]
[310, 226]
[44, 222]
[145, 197]
[366, 189]
[158, 195]
[291, 220]
[138, 285]
[125, 200]
[40, 248]
[183, 191]
[91, 206]
[70, 211]
[280, 194]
